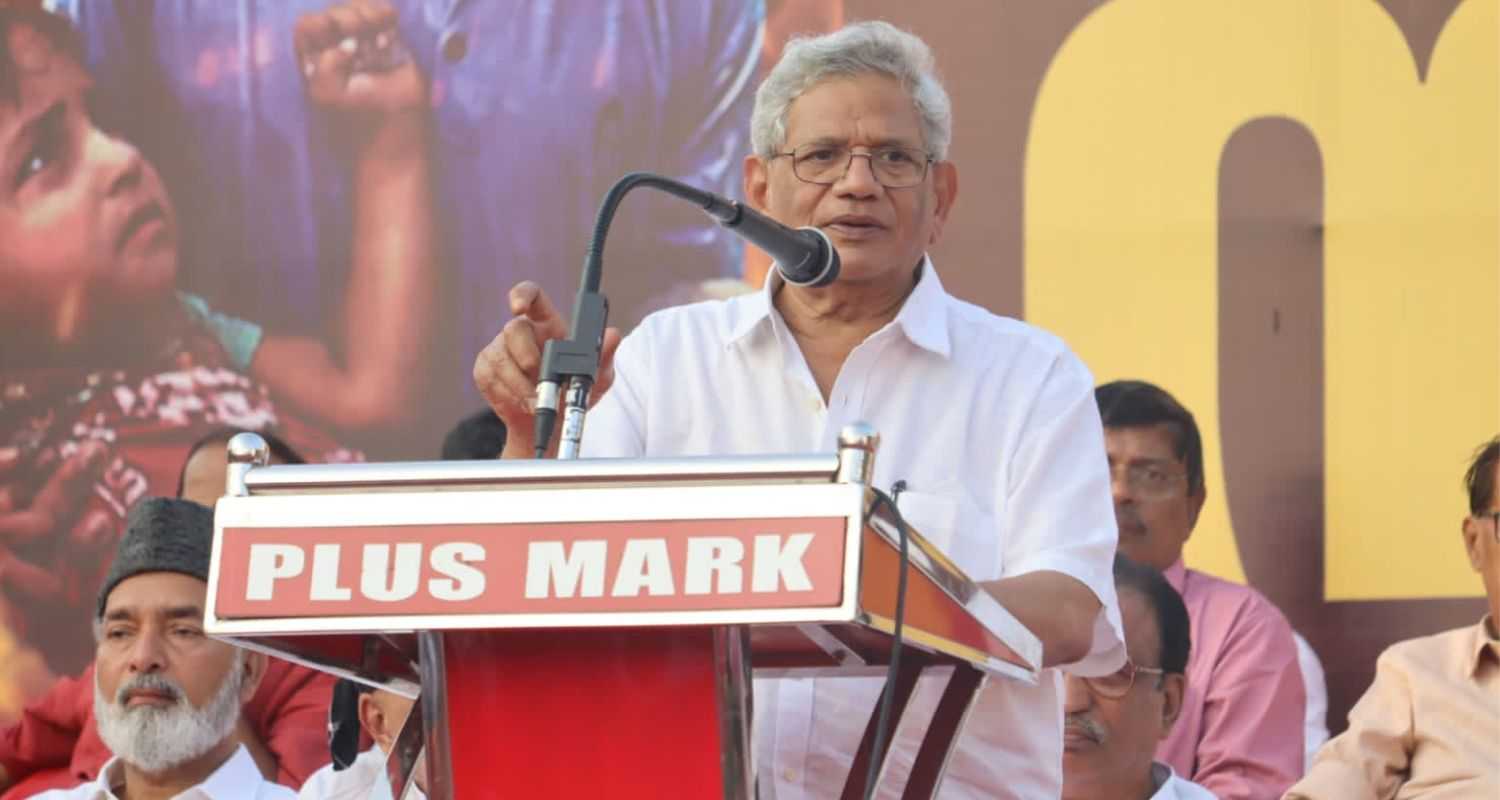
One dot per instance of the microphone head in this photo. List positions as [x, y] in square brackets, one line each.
[820, 268]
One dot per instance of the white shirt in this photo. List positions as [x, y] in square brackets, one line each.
[1315, 728]
[993, 426]
[365, 778]
[236, 778]
[1175, 787]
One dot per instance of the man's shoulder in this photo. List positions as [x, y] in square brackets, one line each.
[1456, 645]
[974, 324]
[1240, 605]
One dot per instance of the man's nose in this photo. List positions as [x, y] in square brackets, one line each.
[1119, 487]
[1076, 695]
[147, 654]
[859, 179]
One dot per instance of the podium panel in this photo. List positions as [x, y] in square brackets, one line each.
[589, 628]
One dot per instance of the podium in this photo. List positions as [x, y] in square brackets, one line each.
[590, 628]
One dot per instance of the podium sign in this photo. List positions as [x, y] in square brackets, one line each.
[541, 558]
[588, 628]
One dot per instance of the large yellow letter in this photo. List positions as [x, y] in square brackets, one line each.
[1121, 246]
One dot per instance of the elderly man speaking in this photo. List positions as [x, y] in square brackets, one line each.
[988, 424]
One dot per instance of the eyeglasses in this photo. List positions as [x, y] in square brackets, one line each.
[1151, 481]
[1117, 684]
[894, 167]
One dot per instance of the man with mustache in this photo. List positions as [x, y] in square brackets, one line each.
[166, 696]
[1114, 722]
[1240, 732]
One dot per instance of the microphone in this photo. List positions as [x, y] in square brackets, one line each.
[804, 257]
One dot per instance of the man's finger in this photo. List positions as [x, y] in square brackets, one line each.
[522, 345]
[528, 300]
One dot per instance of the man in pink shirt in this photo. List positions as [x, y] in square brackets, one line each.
[1240, 733]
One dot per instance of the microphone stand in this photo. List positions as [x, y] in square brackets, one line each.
[574, 361]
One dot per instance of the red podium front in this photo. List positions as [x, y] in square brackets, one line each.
[588, 628]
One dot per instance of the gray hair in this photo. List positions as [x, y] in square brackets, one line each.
[859, 49]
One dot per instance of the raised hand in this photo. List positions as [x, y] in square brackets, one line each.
[506, 370]
[353, 61]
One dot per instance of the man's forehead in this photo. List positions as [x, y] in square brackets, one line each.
[1142, 442]
[156, 593]
[871, 105]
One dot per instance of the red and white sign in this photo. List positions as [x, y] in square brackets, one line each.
[528, 568]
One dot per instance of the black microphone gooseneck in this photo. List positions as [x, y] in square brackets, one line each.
[804, 256]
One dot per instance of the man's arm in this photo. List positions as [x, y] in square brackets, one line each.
[1368, 760]
[1059, 609]
[1058, 522]
[1254, 711]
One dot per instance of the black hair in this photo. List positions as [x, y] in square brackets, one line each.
[1138, 404]
[1479, 479]
[1172, 625]
[281, 452]
[55, 28]
[477, 437]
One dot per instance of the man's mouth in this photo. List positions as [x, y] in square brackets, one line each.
[143, 224]
[149, 697]
[854, 226]
[1076, 735]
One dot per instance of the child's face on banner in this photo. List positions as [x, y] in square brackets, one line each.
[85, 221]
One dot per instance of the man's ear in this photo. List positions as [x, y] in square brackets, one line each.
[1472, 543]
[757, 182]
[1173, 685]
[254, 665]
[945, 191]
[372, 720]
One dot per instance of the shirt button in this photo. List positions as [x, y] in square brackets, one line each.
[788, 774]
[455, 46]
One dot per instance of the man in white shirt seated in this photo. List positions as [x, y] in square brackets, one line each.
[381, 715]
[167, 697]
[1114, 723]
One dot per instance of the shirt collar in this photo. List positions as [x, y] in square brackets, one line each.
[923, 317]
[111, 776]
[1485, 647]
[1176, 574]
[229, 780]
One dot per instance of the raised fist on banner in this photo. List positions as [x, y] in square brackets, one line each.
[353, 61]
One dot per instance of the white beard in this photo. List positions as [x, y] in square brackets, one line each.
[154, 740]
